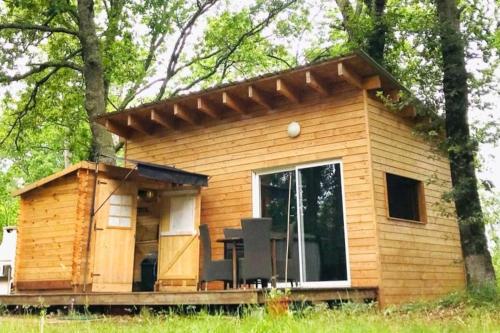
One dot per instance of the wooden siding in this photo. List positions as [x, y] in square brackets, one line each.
[229, 150]
[418, 260]
[86, 193]
[146, 237]
[47, 230]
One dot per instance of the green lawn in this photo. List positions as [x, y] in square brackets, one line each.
[444, 316]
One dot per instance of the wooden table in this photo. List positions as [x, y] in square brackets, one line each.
[236, 240]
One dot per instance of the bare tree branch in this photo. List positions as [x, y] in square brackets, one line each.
[63, 63]
[40, 68]
[119, 146]
[37, 27]
[154, 44]
[181, 41]
[137, 89]
[227, 54]
[29, 105]
[280, 59]
[198, 80]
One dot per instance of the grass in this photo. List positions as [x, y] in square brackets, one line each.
[472, 312]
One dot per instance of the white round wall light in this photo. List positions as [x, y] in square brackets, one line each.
[293, 129]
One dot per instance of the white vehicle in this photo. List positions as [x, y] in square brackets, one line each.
[7, 257]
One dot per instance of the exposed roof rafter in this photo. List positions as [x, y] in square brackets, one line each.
[286, 90]
[182, 113]
[207, 107]
[233, 103]
[162, 119]
[259, 97]
[118, 129]
[297, 85]
[316, 84]
[138, 125]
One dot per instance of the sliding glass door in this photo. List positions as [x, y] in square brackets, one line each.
[310, 199]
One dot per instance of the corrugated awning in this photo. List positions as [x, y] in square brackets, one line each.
[170, 174]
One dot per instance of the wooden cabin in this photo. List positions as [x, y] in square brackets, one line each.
[382, 221]
[144, 211]
[365, 191]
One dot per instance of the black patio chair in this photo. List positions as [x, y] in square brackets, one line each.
[256, 262]
[213, 270]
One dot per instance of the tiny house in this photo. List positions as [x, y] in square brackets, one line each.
[313, 146]
[138, 213]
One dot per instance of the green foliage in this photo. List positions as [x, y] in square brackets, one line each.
[456, 313]
[42, 115]
[240, 55]
[9, 206]
[490, 201]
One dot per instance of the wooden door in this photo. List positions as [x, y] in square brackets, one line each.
[179, 249]
[115, 225]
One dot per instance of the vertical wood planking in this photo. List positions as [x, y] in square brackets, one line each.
[332, 128]
[418, 260]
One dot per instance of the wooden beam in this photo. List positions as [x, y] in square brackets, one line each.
[349, 76]
[43, 285]
[181, 112]
[118, 129]
[162, 119]
[208, 108]
[233, 103]
[372, 82]
[138, 124]
[258, 97]
[287, 91]
[222, 297]
[316, 84]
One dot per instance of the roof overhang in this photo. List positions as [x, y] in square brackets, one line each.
[142, 171]
[171, 174]
[253, 96]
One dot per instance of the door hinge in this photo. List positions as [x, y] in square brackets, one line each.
[101, 182]
[95, 274]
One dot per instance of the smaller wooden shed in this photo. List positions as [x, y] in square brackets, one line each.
[90, 226]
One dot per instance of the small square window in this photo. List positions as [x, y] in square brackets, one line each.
[182, 214]
[405, 197]
[120, 211]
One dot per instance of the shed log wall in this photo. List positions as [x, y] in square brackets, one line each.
[418, 260]
[47, 228]
[86, 195]
[228, 151]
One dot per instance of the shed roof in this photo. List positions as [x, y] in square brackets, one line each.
[144, 170]
[252, 96]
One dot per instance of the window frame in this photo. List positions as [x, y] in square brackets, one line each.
[256, 212]
[422, 207]
[131, 217]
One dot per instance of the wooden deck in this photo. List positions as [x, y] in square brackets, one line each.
[220, 297]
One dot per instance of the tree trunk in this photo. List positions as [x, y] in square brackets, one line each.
[95, 101]
[462, 149]
[375, 43]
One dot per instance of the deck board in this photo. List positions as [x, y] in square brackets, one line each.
[219, 297]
